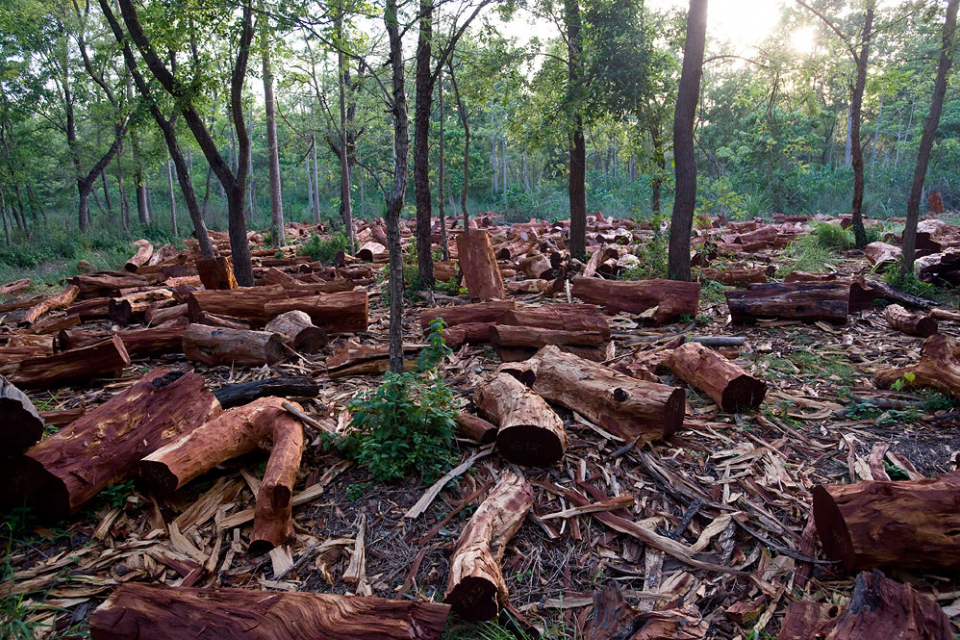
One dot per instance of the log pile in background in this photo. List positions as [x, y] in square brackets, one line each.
[729, 385]
[141, 257]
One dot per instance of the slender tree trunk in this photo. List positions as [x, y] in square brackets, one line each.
[124, 204]
[35, 202]
[848, 148]
[252, 212]
[83, 191]
[503, 147]
[149, 197]
[363, 200]
[929, 135]
[173, 199]
[688, 95]
[444, 247]
[578, 147]
[3, 214]
[346, 196]
[311, 205]
[421, 145]
[859, 231]
[316, 178]
[494, 163]
[106, 191]
[876, 136]
[462, 109]
[273, 151]
[143, 214]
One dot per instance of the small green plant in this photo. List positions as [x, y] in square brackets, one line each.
[909, 283]
[900, 383]
[652, 253]
[116, 495]
[324, 251]
[356, 491]
[832, 236]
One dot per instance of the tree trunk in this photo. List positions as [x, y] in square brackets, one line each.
[462, 109]
[421, 144]
[173, 199]
[859, 232]
[124, 204]
[3, 214]
[273, 151]
[316, 179]
[346, 181]
[444, 246]
[578, 151]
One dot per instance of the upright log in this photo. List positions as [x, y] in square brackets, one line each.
[61, 473]
[20, 424]
[475, 587]
[726, 383]
[530, 432]
[794, 301]
[939, 367]
[214, 345]
[137, 611]
[141, 257]
[340, 312]
[478, 264]
[105, 358]
[914, 324]
[666, 300]
[216, 274]
[479, 312]
[297, 330]
[56, 301]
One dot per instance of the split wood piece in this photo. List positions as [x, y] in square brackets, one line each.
[137, 611]
[939, 367]
[297, 288]
[629, 408]
[945, 314]
[530, 433]
[795, 301]
[141, 257]
[559, 317]
[106, 358]
[735, 276]
[43, 343]
[233, 395]
[614, 619]
[234, 433]
[729, 385]
[20, 424]
[519, 354]
[478, 264]
[354, 353]
[339, 312]
[53, 325]
[217, 345]
[532, 337]
[106, 284]
[296, 329]
[63, 472]
[467, 332]
[880, 289]
[910, 524]
[475, 587]
[216, 274]
[56, 301]
[132, 308]
[475, 428]
[158, 314]
[665, 300]
[479, 312]
[883, 255]
[15, 287]
[21, 303]
[914, 324]
[247, 303]
[226, 322]
[535, 266]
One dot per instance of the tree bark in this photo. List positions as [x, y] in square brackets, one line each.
[799, 301]
[856, 105]
[444, 246]
[341, 312]
[914, 324]
[479, 312]
[464, 120]
[421, 143]
[732, 388]
[576, 186]
[273, 150]
[346, 195]
[56, 301]
[298, 331]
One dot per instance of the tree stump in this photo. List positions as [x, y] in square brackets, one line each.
[478, 264]
[726, 383]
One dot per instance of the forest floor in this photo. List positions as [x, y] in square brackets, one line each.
[738, 483]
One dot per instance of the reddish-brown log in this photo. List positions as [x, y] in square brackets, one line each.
[535, 266]
[371, 251]
[141, 257]
[62, 417]
[735, 276]
[806, 276]
[61, 473]
[216, 274]
[480, 312]
[666, 299]
[914, 324]
[53, 324]
[559, 317]
[92, 309]
[56, 301]
[15, 287]
[342, 312]
[131, 308]
[137, 611]
[154, 342]
[726, 383]
[106, 284]
[883, 255]
[478, 264]
[614, 619]
[296, 330]
[225, 322]
[20, 424]
[445, 270]
[216, 345]
[804, 618]
[105, 358]
[476, 428]
[234, 433]
[247, 303]
[797, 301]
[467, 332]
[20, 303]
[158, 314]
[543, 287]
[535, 338]
[530, 432]
[475, 587]
[939, 367]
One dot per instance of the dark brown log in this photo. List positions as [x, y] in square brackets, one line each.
[910, 524]
[478, 264]
[20, 424]
[297, 331]
[78, 339]
[56, 301]
[806, 276]
[342, 312]
[216, 274]
[726, 383]
[667, 300]
[105, 358]
[614, 619]
[480, 312]
[624, 406]
[53, 324]
[92, 309]
[467, 332]
[233, 395]
[475, 428]
[141, 257]
[939, 367]
[559, 317]
[151, 612]
[530, 432]
[63, 472]
[914, 324]
[796, 301]
[157, 314]
[234, 433]
[215, 345]
[15, 287]
[475, 587]
[106, 284]
[22, 303]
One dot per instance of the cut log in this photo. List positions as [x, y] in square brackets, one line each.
[297, 331]
[138, 611]
[14, 288]
[63, 472]
[475, 587]
[530, 337]
[247, 303]
[914, 324]
[132, 308]
[737, 276]
[535, 266]
[157, 315]
[939, 367]
[729, 385]
[216, 274]
[153, 342]
[530, 433]
[909, 524]
[478, 264]
[56, 301]
[105, 358]
[795, 301]
[225, 322]
[106, 284]
[883, 255]
[21, 426]
[53, 324]
[141, 257]
[666, 300]
[233, 395]
[62, 417]
[806, 276]
[480, 312]
[371, 251]
[627, 407]
[475, 428]
[342, 312]
[467, 332]
[559, 317]
[92, 309]
[215, 345]
[234, 433]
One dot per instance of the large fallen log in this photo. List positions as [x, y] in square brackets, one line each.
[909, 524]
[56, 301]
[105, 358]
[665, 300]
[736, 276]
[53, 324]
[233, 395]
[141, 257]
[729, 385]
[340, 312]
[478, 264]
[217, 345]
[467, 332]
[559, 317]
[106, 284]
[61, 473]
[131, 308]
[138, 611]
[297, 331]
[535, 338]
[247, 303]
[914, 324]
[234, 433]
[795, 301]
[627, 407]
[480, 312]
[939, 367]
[530, 432]
[21, 426]
[475, 587]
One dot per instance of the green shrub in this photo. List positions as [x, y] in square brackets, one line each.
[324, 251]
[909, 283]
[653, 253]
[833, 236]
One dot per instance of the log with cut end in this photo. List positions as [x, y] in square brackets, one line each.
[665, 300]
[53, 324]
[15, 287]
[247, 303]
[914, 324]
[939, 367]
[467, 332]
[627, 407]
[559, 317]
[217, 345]
[106, 284]
[229, 435]
[371, 251]
[530, 432]
[61, 473]
[475, 587]
[909, 524]
[137, 611]
[56, 301]
[158, 314]
[794, 301]
[340, 312]
[475, 428]
[479, 312]
[105, 358]
[216, 274]
[131, 308]
[531, 337]
[478, 264]
[153, 342]
[297, 330]
[141, 257]
[729, 385]
[535, 266]
[233, 395]
[20, 423]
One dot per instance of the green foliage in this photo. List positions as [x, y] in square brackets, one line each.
[832, 236]
[324, 250]
[910, 284]
[116, 495]
[652, 253]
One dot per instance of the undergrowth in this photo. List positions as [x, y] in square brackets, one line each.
[324, 250]
[652, 254]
